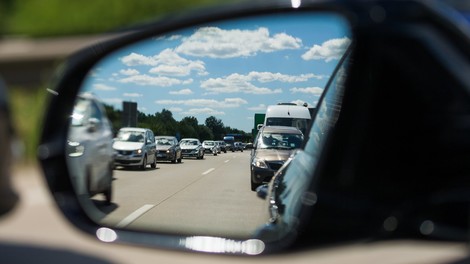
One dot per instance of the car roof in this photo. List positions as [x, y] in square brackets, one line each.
[134, 129]
[165, 137]
[189, 139]
[281, 129]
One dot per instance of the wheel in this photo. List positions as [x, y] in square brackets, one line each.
[180, 158]
[154, 163]
[215, 153]
[174, 159]
[144, 163]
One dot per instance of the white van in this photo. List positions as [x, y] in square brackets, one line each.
[288, 114]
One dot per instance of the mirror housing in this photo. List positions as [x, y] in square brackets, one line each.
[341, 160]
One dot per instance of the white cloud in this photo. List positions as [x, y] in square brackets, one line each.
[261, 107]
[175, 109]
[175, 37]
[214, 42]
[308, 90]
[129, 72]
[132, 95]
[330, 50]
[204, 111]
[166, 63]
[103, 87]
[146, 80]
[271, 77]
[188, 81]
[135, 59]
[226, 103]
[112, 101]
[182, 92]
[232, 84]
[301, 102]
[239, 83]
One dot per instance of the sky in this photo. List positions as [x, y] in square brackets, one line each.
[227, 69]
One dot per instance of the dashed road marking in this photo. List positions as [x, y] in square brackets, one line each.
[208, 171]
[133, 216]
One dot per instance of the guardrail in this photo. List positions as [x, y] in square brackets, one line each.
[29, 63]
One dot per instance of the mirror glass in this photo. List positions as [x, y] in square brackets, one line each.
[161, 137]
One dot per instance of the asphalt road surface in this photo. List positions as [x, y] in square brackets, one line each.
[198, 197]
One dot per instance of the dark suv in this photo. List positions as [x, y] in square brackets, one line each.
[272, 147]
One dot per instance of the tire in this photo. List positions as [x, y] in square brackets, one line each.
[108, 193]
[174, 159]
[144, 163]
[154, 164]
[179, 160]
[254, 186]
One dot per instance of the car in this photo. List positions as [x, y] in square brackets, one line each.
[238, 146]
[168, 149]
[90, 154]
[135, 147]
[222, 145]
[386, 174]
[191, 147]
[210, 146]
[273, 146]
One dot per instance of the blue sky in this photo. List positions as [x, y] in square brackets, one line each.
[230, 70]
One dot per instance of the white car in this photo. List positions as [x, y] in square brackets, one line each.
[90, 155]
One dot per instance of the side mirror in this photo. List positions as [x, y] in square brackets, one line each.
[219, 83]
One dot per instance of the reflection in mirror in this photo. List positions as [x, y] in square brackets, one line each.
[209, 82]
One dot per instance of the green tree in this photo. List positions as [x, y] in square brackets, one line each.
[165, 124]
[216, 126]
[205, 133]
[188, 127]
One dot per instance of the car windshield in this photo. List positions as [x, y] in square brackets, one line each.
[280, 141]
[209, 143]
[164, 141]
[189, 142]
[130, 136]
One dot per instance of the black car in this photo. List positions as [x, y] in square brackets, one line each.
[168, 149]
[272, 148]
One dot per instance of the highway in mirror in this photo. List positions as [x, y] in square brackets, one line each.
[210, 196]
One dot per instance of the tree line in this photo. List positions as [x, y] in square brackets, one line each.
[163, 124]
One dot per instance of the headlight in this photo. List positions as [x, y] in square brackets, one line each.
[168, 151]
[75, 149]
[139, 151]
[259, 163]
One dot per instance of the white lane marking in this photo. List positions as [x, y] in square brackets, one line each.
[136, 214]
[208, 171]
[226, 161]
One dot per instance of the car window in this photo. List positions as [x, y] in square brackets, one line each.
[79, 114]
[131, 136]
[280, 140]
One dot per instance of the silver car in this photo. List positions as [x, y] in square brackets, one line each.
[90, 155]
[135, 147]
